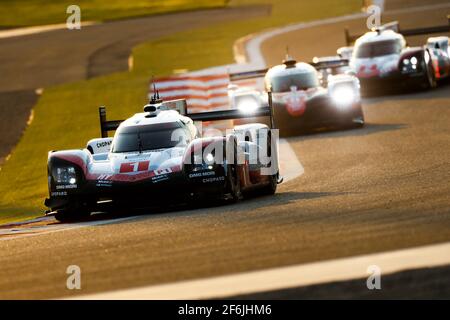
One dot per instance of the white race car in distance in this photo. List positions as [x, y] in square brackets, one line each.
[304, 98]
[381, 59]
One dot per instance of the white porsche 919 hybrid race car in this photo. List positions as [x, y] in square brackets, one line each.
[381, 59]
[159, 157]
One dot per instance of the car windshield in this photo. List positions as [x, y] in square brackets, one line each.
[302, 81]
[378, 48]
[150, 137]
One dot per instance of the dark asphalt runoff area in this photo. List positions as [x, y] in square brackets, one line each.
[380, 188]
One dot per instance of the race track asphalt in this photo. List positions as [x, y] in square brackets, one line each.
[375, 189]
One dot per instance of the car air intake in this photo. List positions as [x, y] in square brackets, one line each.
[150, 108]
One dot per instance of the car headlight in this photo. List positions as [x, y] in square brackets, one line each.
[65, 175]
[343, 96]
[203, 161]
[409, 64]
[209, 158]
[247, 105]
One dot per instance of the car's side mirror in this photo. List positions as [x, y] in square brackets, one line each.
[350, 73]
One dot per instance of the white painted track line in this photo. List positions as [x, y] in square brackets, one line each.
[288, 277]
[290, 166]
[253, 45]
[20, 232]
[17, 32]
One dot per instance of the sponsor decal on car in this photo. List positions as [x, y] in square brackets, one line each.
[104, 180]
[202, 174]
[295, 102]
[129, 167]
[103, 144]
[104, 183]
[104, 177]
[160, 178]
[213, 179]
[59, 194]
[162, 171]
[68, 186]
[368, 71]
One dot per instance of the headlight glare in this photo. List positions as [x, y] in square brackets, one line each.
[209, 158]
[343, 96]
[247, 105]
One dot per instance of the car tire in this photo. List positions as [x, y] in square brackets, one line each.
[358, 122]
[357, 119]
[430, 78]
[233, 181]
[271, 188]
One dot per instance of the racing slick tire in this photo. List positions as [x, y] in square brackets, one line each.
[357, 119]
[232, 180]
[358, 122]
[271, 188]
[430, 77]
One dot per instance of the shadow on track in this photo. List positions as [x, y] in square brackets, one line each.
[442, 91]
[203, 207]
[369, 128]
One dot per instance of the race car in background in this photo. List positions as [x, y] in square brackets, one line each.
[160, 157]
[381, 58]
[303, 98]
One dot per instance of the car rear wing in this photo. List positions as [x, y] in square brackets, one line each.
[321, 63]
[318, 63]
[105, 125]
[265, 111]
[350, 39]
[248, 74]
